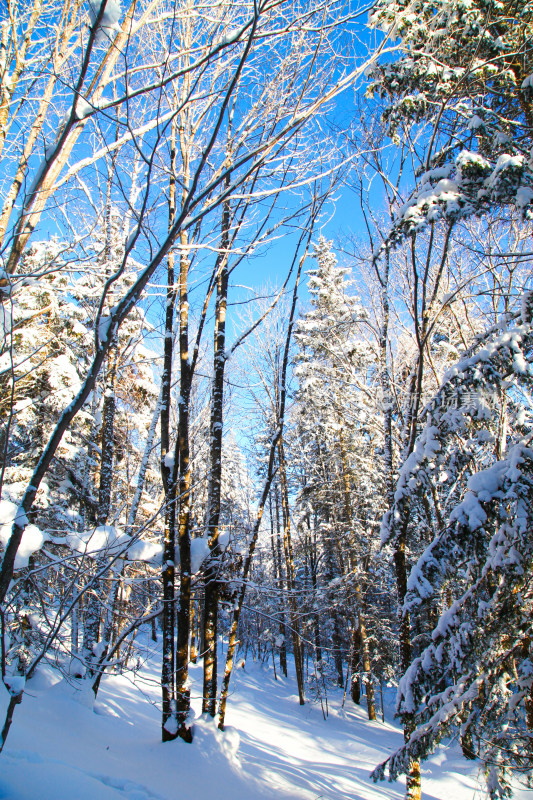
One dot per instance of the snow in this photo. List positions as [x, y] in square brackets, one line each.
[511, 338]
[131, 239]
[83, 108]
[488, 482]
[418, 583]
[110, 540]
[110, 18]
[429, 200]
[524, 196]
[32, 538]
[149, 552]
[469, 512]
[500, 137]
[273, 749]
[223, 538]
[103, 328]
[15, 683]
[230, 37]
[431, 444]
[6, 320]
[526, 305]
[505, 162]
[93, 542]
[62, 375]
[467, 159]
[474, 123]
[199, 551]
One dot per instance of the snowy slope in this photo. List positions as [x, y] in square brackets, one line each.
[60, 748]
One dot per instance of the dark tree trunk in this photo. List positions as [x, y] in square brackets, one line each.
[316, 615]
[413, 790]
[365, 660]
[290, 573]
[93, 613]
[14, 701]
[355, 685]
[108, 440]
[282, 625]
[215, 477]
[184, 534]
[336, 639]
[169, 478]
[194, 625]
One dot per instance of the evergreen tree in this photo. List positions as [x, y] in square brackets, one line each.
[470, 478]
[464, 76]
[340, 495]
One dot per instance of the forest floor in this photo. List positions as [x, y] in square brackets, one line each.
[64, 747]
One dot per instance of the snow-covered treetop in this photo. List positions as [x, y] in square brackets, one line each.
[327, 330]
[332, 366]
[465, 69]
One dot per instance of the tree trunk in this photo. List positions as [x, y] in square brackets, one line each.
[108, 441]
[14, 700]
[108, 628]
[316, 616]
[169, 480]
[355, 686]
[280, 584]
[194, 625]
[184, 535]
[215, 476]
[289, 567]
[336, 639]
[365, 658]
[413, 786]
[91, 632]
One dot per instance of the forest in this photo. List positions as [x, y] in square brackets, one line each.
[266, 367]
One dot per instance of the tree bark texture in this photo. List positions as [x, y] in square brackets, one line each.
[291, 578]
[215, 476]
[184, 534]
[169, 479]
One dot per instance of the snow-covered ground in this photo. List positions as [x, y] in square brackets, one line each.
[60, 748]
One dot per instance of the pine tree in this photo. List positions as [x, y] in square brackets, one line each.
[337, 424]
[464, 78]
[470, 477]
